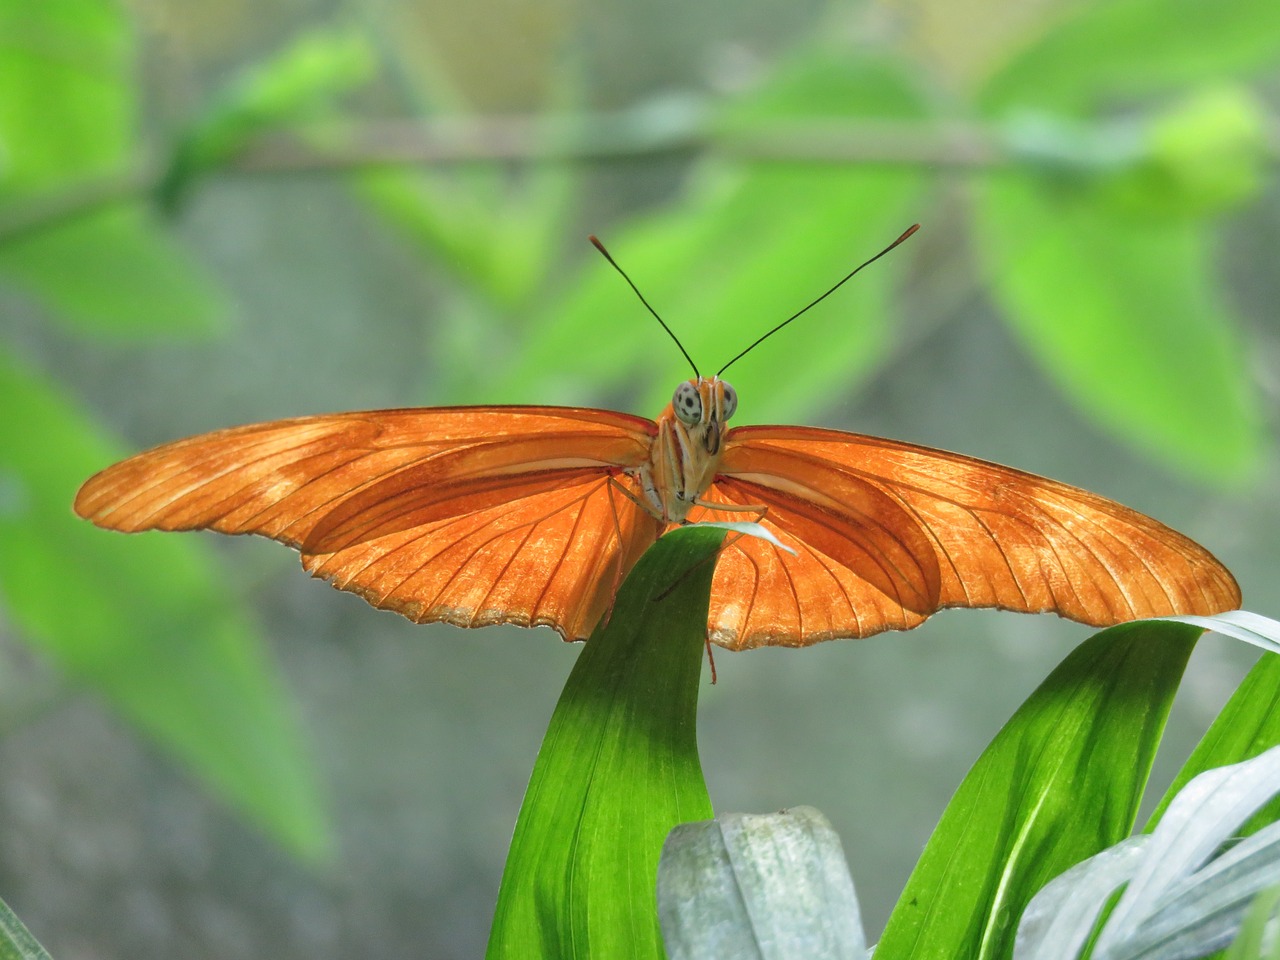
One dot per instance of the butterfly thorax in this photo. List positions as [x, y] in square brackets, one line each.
[685, 455]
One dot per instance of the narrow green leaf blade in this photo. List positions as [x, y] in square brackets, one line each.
[1248, 725]
[16, 941]
[143, 620]
[617, 770]
[1249, 944]
[1123, 314]
[1059, 783]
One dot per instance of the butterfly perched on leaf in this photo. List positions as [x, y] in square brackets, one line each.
[533, 515]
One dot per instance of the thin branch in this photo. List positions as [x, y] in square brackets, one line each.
[54, 208]
[643, 132]
[611, 137]
[671, 128]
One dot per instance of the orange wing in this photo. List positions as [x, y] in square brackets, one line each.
[888, 533]
[471, 515]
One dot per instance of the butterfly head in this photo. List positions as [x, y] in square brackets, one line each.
[704, 400]
[701, 406]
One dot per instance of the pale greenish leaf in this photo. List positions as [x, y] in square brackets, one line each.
[749, 528]
[1249, 723]
[1186, 890]
[1201, 818]
[758, 887]
[1243, 625]
[1061, 918]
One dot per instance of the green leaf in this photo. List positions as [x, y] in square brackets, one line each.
[1124, 315]
[617, 770]
[114, 273]
[747, 247]
[1059, 783]
[293, 84]
[1248, 725]
[1249, 944]
[66, 101]
[16, 941]
[1128, 47]
[143, 621]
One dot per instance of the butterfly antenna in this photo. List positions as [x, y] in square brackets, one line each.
[849, 276]
[600, 246]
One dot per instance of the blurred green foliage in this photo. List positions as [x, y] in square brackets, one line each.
[1116, 137]
[145, 621]
[74, 231]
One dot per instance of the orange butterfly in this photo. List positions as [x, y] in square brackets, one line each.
[533, 515]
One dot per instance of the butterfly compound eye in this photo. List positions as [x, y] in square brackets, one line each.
[687, 403]
[730, 404]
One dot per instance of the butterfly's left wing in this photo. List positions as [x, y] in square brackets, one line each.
[888, 533]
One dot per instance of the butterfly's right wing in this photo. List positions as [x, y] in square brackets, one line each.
[552, 554]
[366, 496]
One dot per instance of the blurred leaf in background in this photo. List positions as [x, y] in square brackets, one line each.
[148, 622]
[1125, 314]
[1104, 261]
[147, 625]
[1098, 242]
[73, 233]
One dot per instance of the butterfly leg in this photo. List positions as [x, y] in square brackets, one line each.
[643, 504]
[759, 509]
